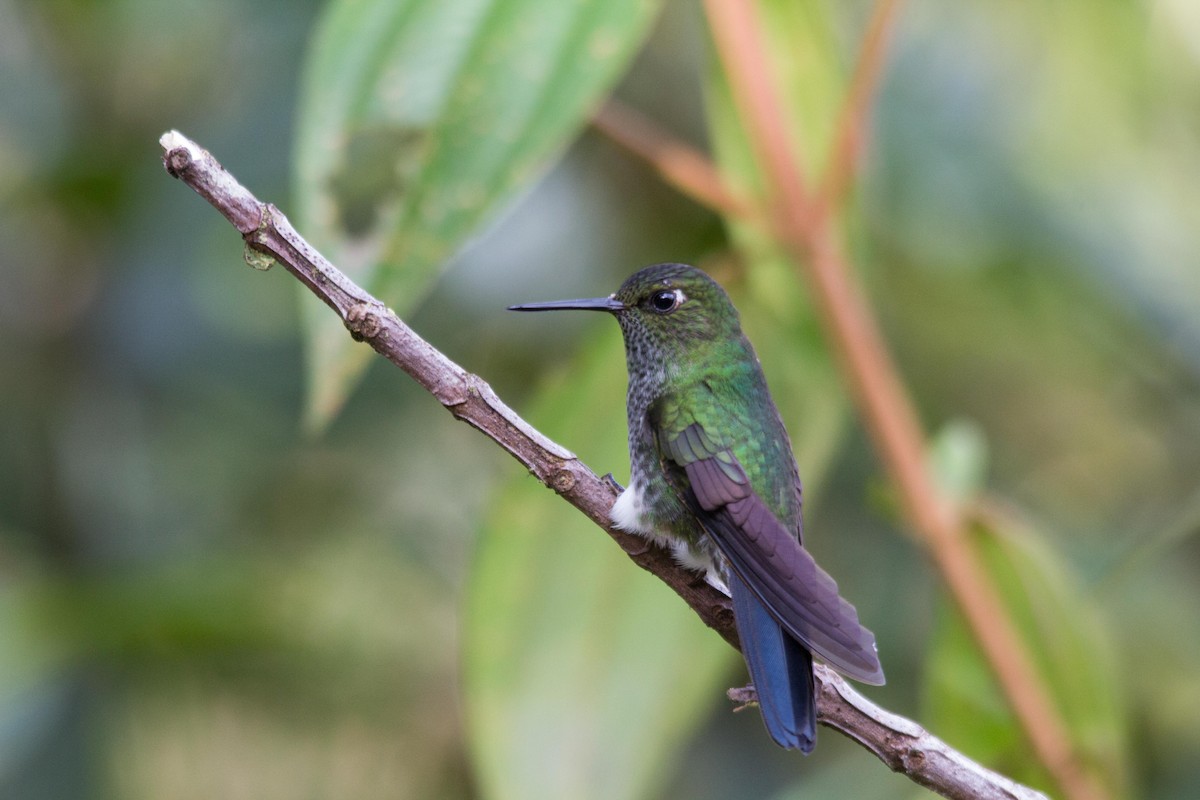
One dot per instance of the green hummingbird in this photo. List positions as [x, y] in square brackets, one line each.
[713, 478]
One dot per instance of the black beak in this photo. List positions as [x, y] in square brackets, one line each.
[610, 304]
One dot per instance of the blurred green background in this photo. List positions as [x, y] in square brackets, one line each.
[200, 599]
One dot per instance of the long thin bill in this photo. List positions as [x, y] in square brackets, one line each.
[610, 304]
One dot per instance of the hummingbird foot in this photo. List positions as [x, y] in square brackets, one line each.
[612, 483]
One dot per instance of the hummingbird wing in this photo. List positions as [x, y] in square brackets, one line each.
[766, 555]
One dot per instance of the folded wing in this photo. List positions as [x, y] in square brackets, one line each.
[768, 557]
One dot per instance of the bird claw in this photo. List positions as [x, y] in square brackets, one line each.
[744, 696]
[612, 483]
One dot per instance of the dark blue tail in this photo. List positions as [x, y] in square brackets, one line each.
[781, 669]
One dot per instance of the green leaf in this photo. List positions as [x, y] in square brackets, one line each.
[957, 459]
[584, 674]
[419, 120]
[1071, 651]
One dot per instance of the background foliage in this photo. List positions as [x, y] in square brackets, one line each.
[199, 599]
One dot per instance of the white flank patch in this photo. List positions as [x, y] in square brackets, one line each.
[627, 512]
[699, 562]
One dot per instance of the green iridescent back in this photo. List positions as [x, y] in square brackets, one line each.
[694, 366]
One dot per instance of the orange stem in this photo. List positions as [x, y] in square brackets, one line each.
[875, 382]
[736, 28]
[679, 164]
[847, 147]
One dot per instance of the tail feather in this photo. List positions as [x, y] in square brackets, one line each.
[781, 669]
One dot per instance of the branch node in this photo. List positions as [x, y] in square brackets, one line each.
[723, 614]
[914, 759]
[256, 257]
[177, 161]
[362, 320]
[562, 481]
[258, 253]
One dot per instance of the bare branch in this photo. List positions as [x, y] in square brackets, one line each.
[465, 395]
[900, 743]
[908, 748]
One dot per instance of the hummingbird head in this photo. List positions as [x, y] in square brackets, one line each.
[671, 315]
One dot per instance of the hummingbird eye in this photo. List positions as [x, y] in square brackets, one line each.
[666, 300]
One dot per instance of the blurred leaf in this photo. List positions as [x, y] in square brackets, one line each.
[584, 674]
[421, 118]
[189, 609]
[849, 777]
[957, 458]
[1071, 650]
[1144, 549]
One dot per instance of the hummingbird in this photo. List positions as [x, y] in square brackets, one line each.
[714, 479]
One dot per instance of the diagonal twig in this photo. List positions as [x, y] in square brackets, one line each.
[847, 146]
[880, 394]
[679, 164]
[900, 743]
